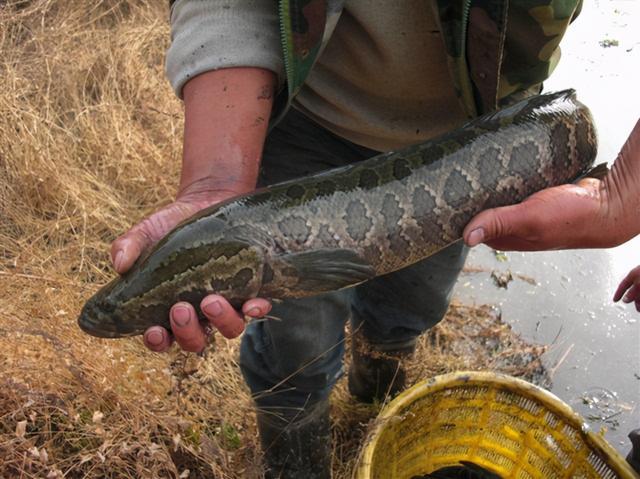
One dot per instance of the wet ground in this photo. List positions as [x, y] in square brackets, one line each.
[564, 298]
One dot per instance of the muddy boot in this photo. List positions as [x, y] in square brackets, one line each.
[297, 445]
[634, 455]
[377, 370]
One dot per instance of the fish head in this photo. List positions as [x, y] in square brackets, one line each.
[200, 257]
[104, 317]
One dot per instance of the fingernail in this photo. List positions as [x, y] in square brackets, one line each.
[476, 237]
[180, 316]
[254, 312]
[118, 260]
[155, 338]
[626, 298]
[214, 308]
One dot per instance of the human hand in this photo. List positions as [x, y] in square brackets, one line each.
[187, 330]
[589, 214]
[555, 218]
[223, 137]
[629, 288]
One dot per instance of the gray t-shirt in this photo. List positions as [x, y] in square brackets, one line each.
[381, 82]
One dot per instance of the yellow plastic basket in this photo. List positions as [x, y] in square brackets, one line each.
[508, 426]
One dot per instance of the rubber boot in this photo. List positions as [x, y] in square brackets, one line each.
[633, 458]
[377, 371]
[297, 445]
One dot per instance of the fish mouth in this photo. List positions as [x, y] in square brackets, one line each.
[98, 322]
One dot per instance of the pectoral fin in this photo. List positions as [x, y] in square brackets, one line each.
[329, 269]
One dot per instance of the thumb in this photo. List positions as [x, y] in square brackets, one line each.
[493, 224]
[126, 249]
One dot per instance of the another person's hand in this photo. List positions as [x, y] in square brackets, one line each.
[187, 330]
[554, 218]
[589, 214]
[629, 288]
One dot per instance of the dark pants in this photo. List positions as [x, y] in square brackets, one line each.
[292, 362]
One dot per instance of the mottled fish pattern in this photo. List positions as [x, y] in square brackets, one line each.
[340, 228]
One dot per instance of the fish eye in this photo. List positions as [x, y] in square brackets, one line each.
[107, 306]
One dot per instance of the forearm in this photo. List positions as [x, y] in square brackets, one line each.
[226, 117]
[226, 114]
[620, 194]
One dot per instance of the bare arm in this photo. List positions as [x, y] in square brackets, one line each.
[226, 118]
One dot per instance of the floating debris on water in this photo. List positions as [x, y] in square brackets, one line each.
[603, 405]
[500, 255]
[609, 42]
[501, 278]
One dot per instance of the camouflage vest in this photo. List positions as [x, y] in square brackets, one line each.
[498, 50]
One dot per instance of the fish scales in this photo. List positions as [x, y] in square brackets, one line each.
[339, 228]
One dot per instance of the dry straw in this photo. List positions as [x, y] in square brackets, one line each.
[90, 140]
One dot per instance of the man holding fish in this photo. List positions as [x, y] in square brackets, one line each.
[385, 75]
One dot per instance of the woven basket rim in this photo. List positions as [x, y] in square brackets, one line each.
[548, 400]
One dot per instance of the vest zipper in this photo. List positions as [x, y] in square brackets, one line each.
[286, 39]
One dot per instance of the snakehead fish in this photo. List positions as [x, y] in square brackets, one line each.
[342, 227]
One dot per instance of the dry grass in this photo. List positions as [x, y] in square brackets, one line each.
[90, 137]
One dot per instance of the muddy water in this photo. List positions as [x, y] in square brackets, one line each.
[594, 353]
[564, 298]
